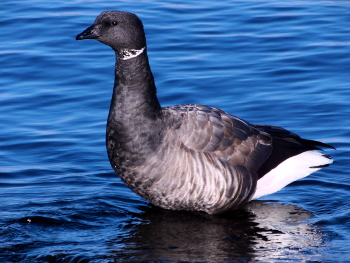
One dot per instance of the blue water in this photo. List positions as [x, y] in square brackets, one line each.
[284, 63]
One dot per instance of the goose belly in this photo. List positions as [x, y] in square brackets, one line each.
[193, 181]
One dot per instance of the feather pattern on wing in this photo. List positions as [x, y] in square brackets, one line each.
[209, 162]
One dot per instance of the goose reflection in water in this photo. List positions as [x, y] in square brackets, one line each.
[261, 231]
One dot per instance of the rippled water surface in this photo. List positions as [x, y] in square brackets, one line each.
[285, 63]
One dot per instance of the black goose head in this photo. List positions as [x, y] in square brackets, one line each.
[119, 30]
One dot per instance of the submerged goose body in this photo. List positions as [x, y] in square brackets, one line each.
[189, 157]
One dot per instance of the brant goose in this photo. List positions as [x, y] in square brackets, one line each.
[189, 157]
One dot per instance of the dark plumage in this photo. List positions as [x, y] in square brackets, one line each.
[185, 157]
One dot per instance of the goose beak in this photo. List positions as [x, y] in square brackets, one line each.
[89, 33]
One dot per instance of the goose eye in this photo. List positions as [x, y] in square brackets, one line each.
[114, 23]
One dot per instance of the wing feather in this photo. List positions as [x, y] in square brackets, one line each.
[215, 158]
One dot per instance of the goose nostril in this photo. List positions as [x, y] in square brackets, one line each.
[89, 32]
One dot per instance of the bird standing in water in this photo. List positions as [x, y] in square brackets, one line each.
[189, 157]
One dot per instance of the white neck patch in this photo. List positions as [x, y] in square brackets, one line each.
[126, 54]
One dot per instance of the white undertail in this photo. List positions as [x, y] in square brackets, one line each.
[290, 170]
